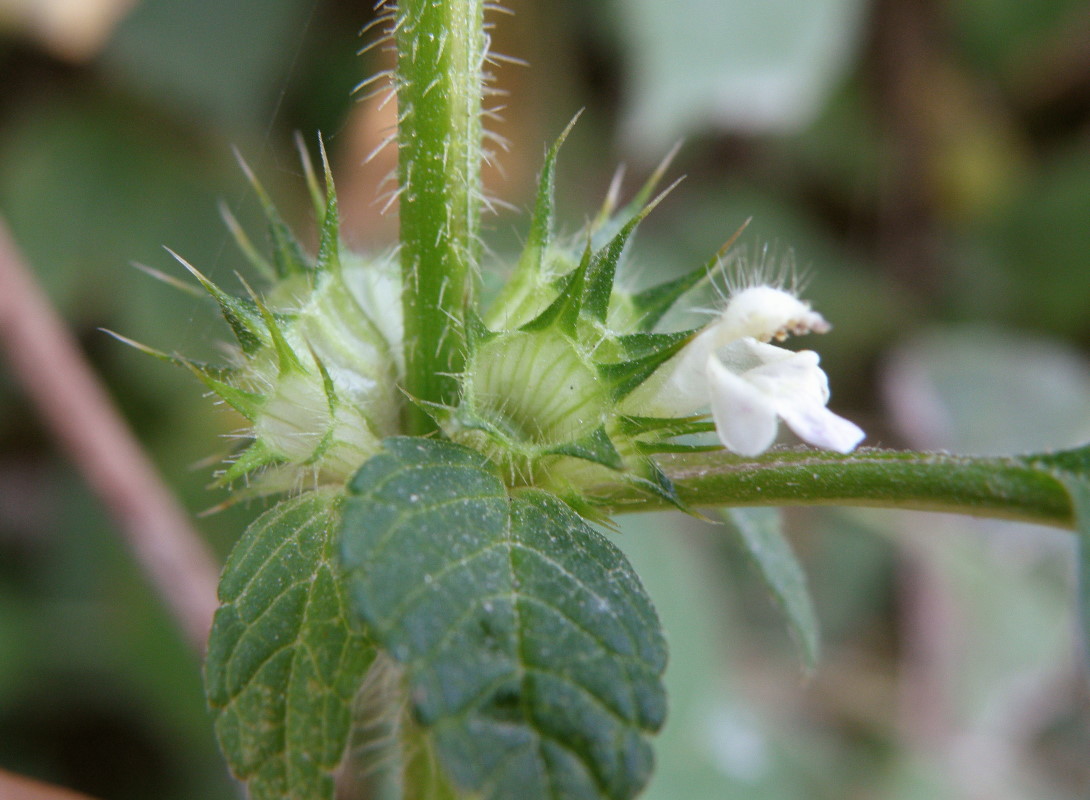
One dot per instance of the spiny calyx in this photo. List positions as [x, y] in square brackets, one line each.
[567, 383]
[317, 361]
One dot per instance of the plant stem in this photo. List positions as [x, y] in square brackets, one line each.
[1005, 488]
[441, 47]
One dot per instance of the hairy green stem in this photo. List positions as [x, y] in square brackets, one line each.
[1005, 488]
[441, 47]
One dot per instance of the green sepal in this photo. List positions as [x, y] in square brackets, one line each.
[563, 313]
[248, 404]
[243, 317]
[171, 281]
[527, 275]
[438, 413]
[330, 391]
[603, 270]
[329, 239]
[212, 370]
[603, 267]
[321, 448]
[541, 223]
[243, 321]
[653, 303]
[650, 448]
[288, 256]
[639, 200]
[246, 246]
[648, 477]
[494, 427]
[666, 426]
[624, 376]
[477, 332]
[606, 222]
[254, 457]
[595, 446]
[287, 361]
[317, 198]
[643, 345]
[328, 387]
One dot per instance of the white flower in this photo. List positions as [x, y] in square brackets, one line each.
[750, 384]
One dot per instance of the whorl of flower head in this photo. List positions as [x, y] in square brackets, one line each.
[568, 384]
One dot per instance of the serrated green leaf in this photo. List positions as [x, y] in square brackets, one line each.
[761, 536]
[283, 662]
[533, 655]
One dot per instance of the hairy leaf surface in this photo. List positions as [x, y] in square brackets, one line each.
[532, 654]
[283, 662]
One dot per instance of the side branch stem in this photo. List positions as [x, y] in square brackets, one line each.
[1005, 488]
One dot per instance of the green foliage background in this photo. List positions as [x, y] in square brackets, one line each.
[928, 164]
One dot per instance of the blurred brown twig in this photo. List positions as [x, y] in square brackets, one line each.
[16, 787]
[76, 408]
